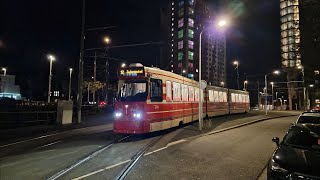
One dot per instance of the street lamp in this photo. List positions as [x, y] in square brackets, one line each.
[266, 88]
[272, 85]
[51, 59]
[106, 40]
[245, 85]
[311, 85]
[304, 87]
[221, 24]
[222, 83]
[123, 65]
[236, 63]
[70, 71]
[4, 71]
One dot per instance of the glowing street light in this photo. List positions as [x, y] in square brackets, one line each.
[4, 71]
[123, 65]
[222, 83]
[51, 59]
[70, 79]
[245, 85]
[311, 85]
[107, 40]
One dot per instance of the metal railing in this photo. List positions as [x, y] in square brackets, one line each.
[20, 119]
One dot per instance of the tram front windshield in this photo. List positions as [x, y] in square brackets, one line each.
[134, 91]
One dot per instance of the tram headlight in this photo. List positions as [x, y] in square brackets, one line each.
[118, 114]
[137, 115]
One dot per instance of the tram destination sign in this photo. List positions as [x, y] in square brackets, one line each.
[132, 71]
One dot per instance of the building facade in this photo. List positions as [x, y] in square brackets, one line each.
[300, 46]
[182, 22]
[8, 88]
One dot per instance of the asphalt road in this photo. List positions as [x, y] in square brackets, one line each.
[240, 153]
[225, 155]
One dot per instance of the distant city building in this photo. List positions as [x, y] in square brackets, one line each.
[8, 87]
[300, 44]
[181, 23]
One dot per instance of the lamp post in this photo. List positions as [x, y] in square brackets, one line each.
[107, 41]
[221, 23]
[222, 84]
[51, 59]
[70, 81]
[245, 85]
[236, 63]
[266, 89]
[272, 85]
[305, 101]
[4, 71]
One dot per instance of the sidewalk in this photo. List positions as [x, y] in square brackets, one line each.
[218, 123]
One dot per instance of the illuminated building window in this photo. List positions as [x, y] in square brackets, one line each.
[171, 55]
[56, 93]
[190, 44]
[180, 44]
[191, 2]
[190, 33]
[190, 22]
[190, 65]
[191, 11]
[180, 33]
[180, 55]
[181, 12]
[190, 55]
[180, 23]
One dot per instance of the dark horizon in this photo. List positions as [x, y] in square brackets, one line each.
[37, 28]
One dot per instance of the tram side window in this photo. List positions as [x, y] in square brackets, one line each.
[196, 94]
[220, 96]
[168, 91]
[233, 97]
[211, 99]
[216, 96]
[225, 99]
[191, 93]
[184, 89]
[176, 92]
[156, 90]
[240, 98]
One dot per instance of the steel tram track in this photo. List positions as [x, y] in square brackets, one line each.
[123, 173]
[135, 159]
[85, 159]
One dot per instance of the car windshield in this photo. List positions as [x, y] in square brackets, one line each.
[302, 138]
[309, 119]
[134, 91]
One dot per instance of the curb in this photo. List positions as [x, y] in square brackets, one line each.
[236, 126]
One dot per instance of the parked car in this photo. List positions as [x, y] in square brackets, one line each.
[312, 117]
[298, 155]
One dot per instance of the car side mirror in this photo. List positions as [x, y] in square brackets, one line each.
[276, 140]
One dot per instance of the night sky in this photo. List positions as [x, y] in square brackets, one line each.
[31, 29]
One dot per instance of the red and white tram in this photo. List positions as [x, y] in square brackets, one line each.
[151, 99]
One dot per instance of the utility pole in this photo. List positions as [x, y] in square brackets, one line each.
[94, 75]
[258, 84]
[80, 73]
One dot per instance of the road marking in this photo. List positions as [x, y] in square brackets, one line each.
[50, 144]
[155, 151]
[100, 170]
[176, 142]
